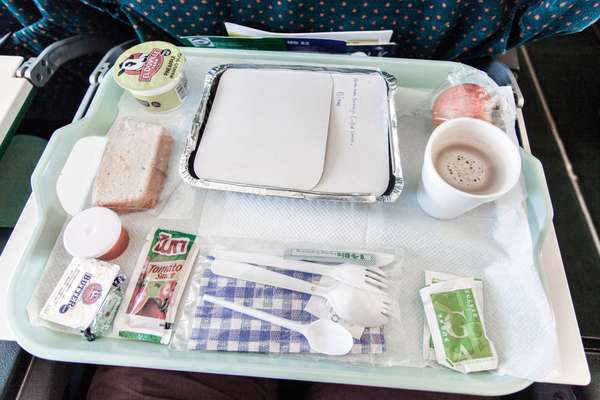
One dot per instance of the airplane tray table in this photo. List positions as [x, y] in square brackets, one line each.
[54, 345]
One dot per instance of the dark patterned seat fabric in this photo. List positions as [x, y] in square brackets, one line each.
[436, 29]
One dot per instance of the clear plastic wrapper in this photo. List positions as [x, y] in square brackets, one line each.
[468, 92]
[178, 123]
[204, 327]
[133, 168]
[103, 321]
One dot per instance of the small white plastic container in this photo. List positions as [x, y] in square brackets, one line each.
[96, 232]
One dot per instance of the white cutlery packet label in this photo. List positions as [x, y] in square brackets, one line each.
[330, 256]
[77, 297]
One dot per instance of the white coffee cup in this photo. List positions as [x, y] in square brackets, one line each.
[467, 162]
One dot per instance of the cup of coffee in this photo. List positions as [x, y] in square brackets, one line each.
[467, 162]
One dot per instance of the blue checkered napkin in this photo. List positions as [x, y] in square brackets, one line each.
[218, 328]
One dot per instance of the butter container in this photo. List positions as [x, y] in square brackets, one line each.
[80, 292]
[153, 73]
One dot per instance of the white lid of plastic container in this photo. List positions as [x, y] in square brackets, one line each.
[92, 232]
[159, 90]
[75, 181]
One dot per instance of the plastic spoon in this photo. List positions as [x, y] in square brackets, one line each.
[353, 305]
[324, 336]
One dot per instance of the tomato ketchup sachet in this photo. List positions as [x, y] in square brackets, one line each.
[162, 271]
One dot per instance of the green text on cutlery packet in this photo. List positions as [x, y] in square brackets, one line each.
[460, 326]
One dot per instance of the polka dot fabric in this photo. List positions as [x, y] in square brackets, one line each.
[437, 29]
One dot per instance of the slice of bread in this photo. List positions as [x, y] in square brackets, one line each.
[133, 166]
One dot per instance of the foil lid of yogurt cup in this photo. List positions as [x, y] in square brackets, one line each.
[149, 66]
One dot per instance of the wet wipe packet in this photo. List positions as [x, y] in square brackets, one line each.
[435, 277]
[454, 317]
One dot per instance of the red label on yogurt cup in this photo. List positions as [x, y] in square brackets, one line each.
[143, 65]
[152, 65]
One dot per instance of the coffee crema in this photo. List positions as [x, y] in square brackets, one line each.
[466, 168]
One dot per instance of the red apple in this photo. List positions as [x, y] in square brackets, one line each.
[466, 100]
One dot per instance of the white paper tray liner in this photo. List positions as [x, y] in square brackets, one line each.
[491, 242]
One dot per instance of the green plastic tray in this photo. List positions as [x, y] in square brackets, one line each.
[53, 345]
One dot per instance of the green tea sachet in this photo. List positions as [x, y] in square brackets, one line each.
[457, 326]
[436, 277]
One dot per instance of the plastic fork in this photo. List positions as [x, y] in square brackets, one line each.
[360, 307]
[372, 279]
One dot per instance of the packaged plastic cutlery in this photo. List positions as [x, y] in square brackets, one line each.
[278, 277]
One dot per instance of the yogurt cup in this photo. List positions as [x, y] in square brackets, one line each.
[153, 73]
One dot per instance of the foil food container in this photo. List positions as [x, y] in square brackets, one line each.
[211, 82]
